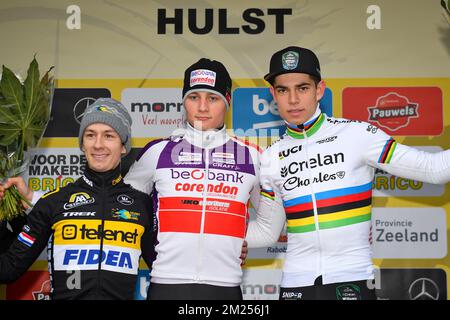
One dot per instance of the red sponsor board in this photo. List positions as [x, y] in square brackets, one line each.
[401, 111]
[33, 285]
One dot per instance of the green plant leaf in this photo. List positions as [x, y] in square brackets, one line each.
[32, 91]
[12, 90]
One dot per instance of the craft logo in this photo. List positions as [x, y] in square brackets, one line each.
[78, 199]
[393, 111]
[400, 111]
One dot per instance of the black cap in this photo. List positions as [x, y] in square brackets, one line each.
[208, 75]
[293, 60]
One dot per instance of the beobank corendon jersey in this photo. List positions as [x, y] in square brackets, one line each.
[201, 182]
[322, 173]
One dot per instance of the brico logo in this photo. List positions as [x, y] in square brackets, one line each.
[393, 111]
[78, 199]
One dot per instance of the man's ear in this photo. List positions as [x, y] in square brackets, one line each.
[320, 90]
[272, 92]
[124, 150]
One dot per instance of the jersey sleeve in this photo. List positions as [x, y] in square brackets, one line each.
[148, 239]
[269, 221]
[29, 243]
[403, 161]
[142, 172]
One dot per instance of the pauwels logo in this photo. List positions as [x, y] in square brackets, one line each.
[393, 111]
[78, 199]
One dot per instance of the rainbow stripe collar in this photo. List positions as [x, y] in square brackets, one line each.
[310, 128]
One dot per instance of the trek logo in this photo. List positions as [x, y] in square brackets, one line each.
[92, 257]
[255, 114]
[83, 232]
[125, 200]
[199, 174]
[285, 153]
[79, 214]
[393, 111]
[78, 199]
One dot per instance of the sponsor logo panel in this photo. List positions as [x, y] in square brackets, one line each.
[87, 257]
[156, 112]
[114, 233]
[52, 168]
[68, 108]
[409, 233]
[412, 284]
[32, 285]
[261, 284]
[405, 111]
[256, 114]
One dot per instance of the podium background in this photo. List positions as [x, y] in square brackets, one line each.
[118, 52]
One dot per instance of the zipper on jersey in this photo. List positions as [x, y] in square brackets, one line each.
[101, 233]
[202, 224]
[313, 199]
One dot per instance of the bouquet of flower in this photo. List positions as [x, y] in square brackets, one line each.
[24, 114]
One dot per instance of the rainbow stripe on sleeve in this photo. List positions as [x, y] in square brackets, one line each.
[388, 151]
[268, 194]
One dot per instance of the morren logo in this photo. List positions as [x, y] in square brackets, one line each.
[285, 153]
[78, 199]
[155, 106]
[393, 111]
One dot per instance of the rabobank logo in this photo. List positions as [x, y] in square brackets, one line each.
[256, 114]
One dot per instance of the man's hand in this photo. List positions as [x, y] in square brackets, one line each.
[21, 186]
[244, 251]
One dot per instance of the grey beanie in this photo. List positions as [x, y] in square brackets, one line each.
[110, 112]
